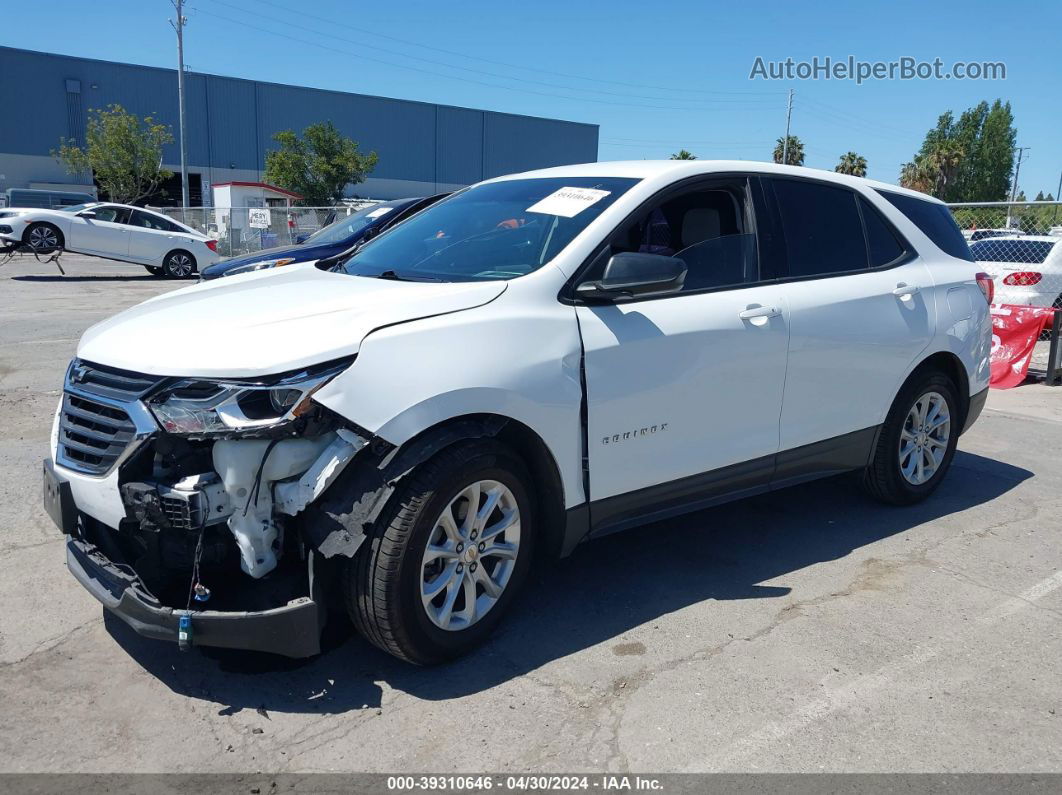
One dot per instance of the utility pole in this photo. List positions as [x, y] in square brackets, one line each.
[1014, 188]
[178, 26]
[788, 116]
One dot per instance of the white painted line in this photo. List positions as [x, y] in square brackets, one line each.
[1026, 598]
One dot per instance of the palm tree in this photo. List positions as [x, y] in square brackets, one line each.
[918, 175]
[794, 155]
[682, 154]
[853, 164]
[945, 159]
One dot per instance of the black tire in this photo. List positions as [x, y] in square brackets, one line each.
[178, 265]
[883, 479]
[382, 583]
[154, 270]
[43, 238]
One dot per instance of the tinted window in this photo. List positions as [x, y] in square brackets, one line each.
[882, 245]
[347, 227]
[823, 231]
[1028, 251]
[705, 228]
[151, 221]
[495, 230]
[935, 222]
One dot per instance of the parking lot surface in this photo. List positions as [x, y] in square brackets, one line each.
[805, 630]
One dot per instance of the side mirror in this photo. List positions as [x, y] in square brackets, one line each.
[86, 214]
[630, 274]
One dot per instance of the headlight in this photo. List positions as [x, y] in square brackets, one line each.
[260, 266]
[11, 213]
[197, 407]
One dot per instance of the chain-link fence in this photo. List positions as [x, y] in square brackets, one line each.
[244, 230]
[1020, 246]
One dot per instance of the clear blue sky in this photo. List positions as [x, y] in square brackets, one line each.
[657, 76]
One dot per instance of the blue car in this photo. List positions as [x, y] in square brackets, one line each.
[333, 239]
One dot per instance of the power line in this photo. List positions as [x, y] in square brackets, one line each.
[683, 89]
[360, 56]
[471, 70]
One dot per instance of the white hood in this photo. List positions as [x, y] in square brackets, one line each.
[267, 322]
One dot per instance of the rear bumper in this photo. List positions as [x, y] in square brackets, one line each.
[291, 630]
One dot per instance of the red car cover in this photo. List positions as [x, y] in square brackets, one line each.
[1015, 330]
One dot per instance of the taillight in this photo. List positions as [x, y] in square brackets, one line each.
[1023, 278]
[212, 245]
[988, 288]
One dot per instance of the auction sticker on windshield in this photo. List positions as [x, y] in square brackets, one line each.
[568, 202]
[378, 212]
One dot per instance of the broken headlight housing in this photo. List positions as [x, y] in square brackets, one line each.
[204, 407]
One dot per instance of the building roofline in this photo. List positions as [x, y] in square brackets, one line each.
[265, 185]
[292, 85]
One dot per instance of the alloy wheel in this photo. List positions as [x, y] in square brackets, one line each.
[470, 555]
[924, 438]
[43, 238]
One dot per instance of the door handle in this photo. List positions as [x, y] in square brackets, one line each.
[905, 290]
[760, 311]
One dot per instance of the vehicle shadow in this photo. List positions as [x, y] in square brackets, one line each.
[605, 589]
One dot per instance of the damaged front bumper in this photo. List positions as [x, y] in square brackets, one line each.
[292, 629]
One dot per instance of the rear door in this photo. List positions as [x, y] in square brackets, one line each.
[684, 390]
[861, 314]
[152, 237]
[105, 234]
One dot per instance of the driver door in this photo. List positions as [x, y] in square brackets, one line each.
[684, 391]
[106, 234]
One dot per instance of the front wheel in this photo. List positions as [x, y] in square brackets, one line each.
[447, 556]
[178, 265]
[917, 441]
[43, 238]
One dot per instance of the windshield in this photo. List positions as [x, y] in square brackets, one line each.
[76, 208]
[352, 224]
[499, 230]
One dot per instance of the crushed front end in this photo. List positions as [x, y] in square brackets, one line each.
[185, 502]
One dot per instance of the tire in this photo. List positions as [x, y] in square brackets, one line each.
[382, 584]
[43, 238]
[885, 478]
[154, 270]
[178, 265]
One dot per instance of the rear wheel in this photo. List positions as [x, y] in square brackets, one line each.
[178, 265]
[917, 441]
[447, 557]
[43, 238]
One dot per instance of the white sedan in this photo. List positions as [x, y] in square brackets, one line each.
[1027, 269]
[113, 231]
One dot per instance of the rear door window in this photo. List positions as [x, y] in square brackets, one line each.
[935, 222]
[822, 228]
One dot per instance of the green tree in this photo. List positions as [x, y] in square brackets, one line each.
[122, 152]
[683, 154]
[971, 158]
[795, 154]
[318, 165]
[853, 164]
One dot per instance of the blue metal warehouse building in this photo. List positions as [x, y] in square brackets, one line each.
[423, 148]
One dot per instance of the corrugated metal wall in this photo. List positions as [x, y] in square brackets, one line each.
[231, 121]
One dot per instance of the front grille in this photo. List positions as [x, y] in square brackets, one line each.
[96, 425]
[109, 382]
[92, 435]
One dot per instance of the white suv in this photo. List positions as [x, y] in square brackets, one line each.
[536, 361]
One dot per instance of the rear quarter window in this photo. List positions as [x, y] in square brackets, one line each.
[935, 222]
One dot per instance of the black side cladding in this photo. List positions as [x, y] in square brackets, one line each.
[338, 522]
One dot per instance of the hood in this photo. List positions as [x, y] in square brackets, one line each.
[267, 322]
